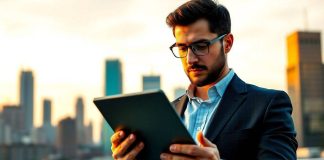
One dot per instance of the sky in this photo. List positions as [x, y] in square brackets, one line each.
[66, 42]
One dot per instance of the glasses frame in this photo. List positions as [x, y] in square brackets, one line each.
[191, 46]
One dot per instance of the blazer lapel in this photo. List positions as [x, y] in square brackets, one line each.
[180, 105]
[234, 95]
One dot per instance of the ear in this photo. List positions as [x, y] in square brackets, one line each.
[228, 42]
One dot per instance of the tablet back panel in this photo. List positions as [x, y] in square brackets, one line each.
[150, 116]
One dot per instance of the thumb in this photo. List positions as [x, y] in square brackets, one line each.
[203, 141]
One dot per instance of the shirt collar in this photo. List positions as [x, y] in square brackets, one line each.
[219, 88]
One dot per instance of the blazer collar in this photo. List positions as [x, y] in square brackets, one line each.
[234, 95]
[180, 104]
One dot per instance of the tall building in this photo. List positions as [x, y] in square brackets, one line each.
[47, 116]
[305, 76]
[113, 86]
[5, 132]
[151, 82]
[47, 128]
[12, 119]
[80, 121]
[89, 134]
[1, 130]
[113, 77]
[66, 139]
[27, 99]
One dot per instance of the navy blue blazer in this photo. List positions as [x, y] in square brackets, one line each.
[250, 123]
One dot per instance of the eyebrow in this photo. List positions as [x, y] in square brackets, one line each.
[195, 42]
[200, 40]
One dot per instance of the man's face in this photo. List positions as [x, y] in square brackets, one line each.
[206, 69]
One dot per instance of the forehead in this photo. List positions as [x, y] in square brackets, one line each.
[196, 30]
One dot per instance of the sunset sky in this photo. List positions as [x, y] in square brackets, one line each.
[65, 44]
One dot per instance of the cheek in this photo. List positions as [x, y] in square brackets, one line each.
[184, 62]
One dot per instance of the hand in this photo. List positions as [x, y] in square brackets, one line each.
[120, 144]
[205, 151]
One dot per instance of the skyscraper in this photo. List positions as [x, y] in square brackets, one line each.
[80, 121]
[89, 134]
[27, 99]
[113, 77]
[48, 129]
[1, 129]
[12, 118]
[151, 82]
[66, 139]
[113, 85]
[305, 76]
[47, 117]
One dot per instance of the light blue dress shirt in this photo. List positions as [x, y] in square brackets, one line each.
[199, 112]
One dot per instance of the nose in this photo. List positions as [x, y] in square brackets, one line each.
[191, 57]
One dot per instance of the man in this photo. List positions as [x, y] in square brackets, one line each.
[229, 118]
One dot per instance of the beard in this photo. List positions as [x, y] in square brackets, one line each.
[213, 74]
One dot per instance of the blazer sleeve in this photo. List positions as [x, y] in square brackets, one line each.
[278, 133]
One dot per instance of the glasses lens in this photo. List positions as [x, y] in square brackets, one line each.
[200, 48]
[179, 51]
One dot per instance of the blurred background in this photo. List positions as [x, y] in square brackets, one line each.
[56, 56]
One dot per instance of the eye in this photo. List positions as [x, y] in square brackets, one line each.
[200, 46]
[182, 48]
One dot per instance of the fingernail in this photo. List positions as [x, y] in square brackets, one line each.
[163, 156]
[173, 148]
[141, 145]
[131, 137]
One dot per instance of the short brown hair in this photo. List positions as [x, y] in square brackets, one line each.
[216, 14]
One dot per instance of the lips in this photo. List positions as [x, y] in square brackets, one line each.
[195, 69]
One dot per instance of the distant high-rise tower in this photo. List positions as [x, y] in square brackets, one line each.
[47, 117]
[66, 139]
[113, 77]
[80, 121]
[12, 118]
[47, 128]
[151, 82]
[1, 129]
[89, 134]
[305, 76]
[27, 99]
[113, 86]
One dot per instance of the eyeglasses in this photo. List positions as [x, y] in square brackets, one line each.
[197, 48]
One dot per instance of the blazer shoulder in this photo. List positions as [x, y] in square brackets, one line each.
[266, 92]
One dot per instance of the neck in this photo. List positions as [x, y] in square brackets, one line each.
[202, 91]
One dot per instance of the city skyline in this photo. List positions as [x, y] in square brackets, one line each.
[71, 137]
[66, 47]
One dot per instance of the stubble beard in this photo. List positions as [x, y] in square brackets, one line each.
[213, 74]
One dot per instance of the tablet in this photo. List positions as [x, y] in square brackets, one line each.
[150, 116]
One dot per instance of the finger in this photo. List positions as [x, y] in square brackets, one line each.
[117, 137]
[192, 150]
[134, 152]
[121, 149]
[167, 156]
[204, 141]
